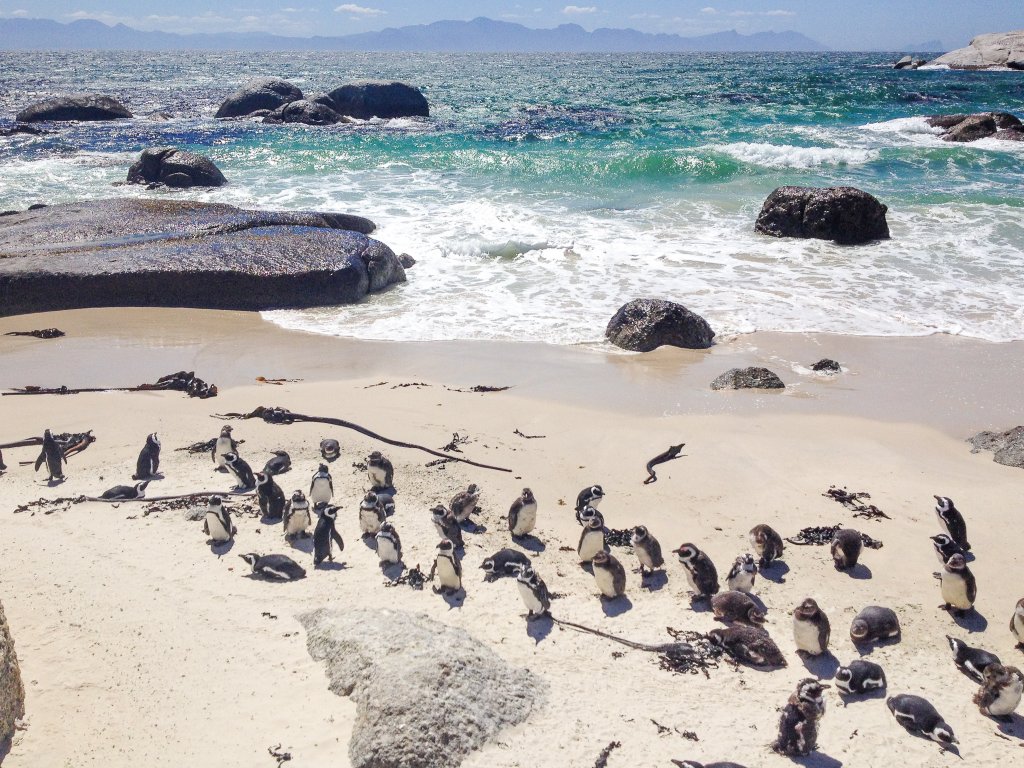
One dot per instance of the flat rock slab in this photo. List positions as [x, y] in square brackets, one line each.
[134, 252]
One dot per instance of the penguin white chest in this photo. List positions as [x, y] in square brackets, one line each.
[805, 635]
[644, 557]
[592, 543]
[223, 446]
[1018, 627]
[321, 491]
[533, 605]
[1009, 698]
[386, 550]
[369, 521]
[377, 476]
[690, 580]
[447, 575]
[216, 528]
[954, 591]
[526, 520]
[605, 582]
[742, 582]
[298, 522]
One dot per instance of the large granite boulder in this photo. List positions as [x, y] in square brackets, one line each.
[991, 51]
[264, 93]
[965, 128]
[175, 168]
[1007, 447]
[85, 107]
[377, 99]
[645, 324]
[748, 378]
[426, 694]
[12, 692]
[305, 112]
[170, 253]
[971, 129]
[846, 215]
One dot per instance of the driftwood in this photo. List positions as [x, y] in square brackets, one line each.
[274, 415]
[602, 759]
[852, 500]
[182, 381]
[661, 458]
[528, 437]
[69, 443]
[45, 333]
[193, 495]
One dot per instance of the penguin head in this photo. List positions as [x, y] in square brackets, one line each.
[596, 492]
[994, 674]
[153, 440]
[956, 646]
[472, 489]
[262, 478]
[375, 458]
[587, 514]
[225, 431]
[438, 513]
[250, 558]
[808, 609]
[445, 546]
[859, 630]
[943, 734]
[387, 528]
[843, 675]
[487, 565]
[1019, 610]
[322, 470]
[320, 507]
[230, 458]
[687, 553]
[140, 488]
[331, 513]
[639, 534]
[370, 499]
[527, 496]
[943, 504]
[941, 540]
[595, 521]
[47, 435]
[717, 637]
[215, 501]
[956, 563]
[755, 616]
[298, 497]
[812, 691]
[601, 560]
[527, 575]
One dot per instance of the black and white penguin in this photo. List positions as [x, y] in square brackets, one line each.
[380, 471]
[588, 497]
[647, 548]
[270, 496]
[945, 547]
[971, 661]
[389, 546]
[748, 644]
[767, 544]
[584, 516]
[504, 562]
[447, 526]
[371, 514]
[591, 539]
[1000, 692]
[297, 517]
[700, 571]
[324, 534]
[136, 491]
[610, 575]
[274, 567]
[918, 715]
[321, 487]
[534, 592]
[811, 629]
[224, 444]
[859, 677]
[874, 623]
[737, 607]
[240, 470]
[742, 574]
[148, 463]
[959, 589]
[218, 524]
[447, 568]
[847, 545]
[522, 515]
[1017, 623]
[798, 725]
[52, 456]
[279, 464]
[464, 503]
[695, 764]
[330, 449]
[954, 523]
[3, 467]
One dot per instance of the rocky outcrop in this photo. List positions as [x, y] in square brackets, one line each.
[305, 112]
[175, 168]
[646, 324]
[1007, 447]
[165, 253]
[16, 129]
[266, 93]
[992, 51]
[12, 692]
[846, 215]
[426, 694]
[909, 62]
[378, 99]
[966, 128]
[748, 378]
[84, 107]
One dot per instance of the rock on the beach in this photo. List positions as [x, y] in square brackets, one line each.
[175, 168]
[825, 365]
[846, 215]
[86, 106]
[1008, 447]
[305, 112]
[368, 99]
[427, 694]
[12, 692]
[267, 93]
[748, 378]
[998, 49]
[646, 324]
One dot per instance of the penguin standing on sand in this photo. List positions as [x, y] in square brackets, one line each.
[971, 661]
[588, 497]
[3, 467]
[860, 677]
[811, 629]
[389, 546]
[504, 562]
[950, 517]
[271, 497]
[1000, 692]
[223, 445]
[136, 491]
[846, 548]
[959, 589]
[240, 469]
[297, 518]
[591, 539]
[324, 534]
[217, 524]
[149, 459]
[52, 456]
[447, 526]
[918, 715]
[647, 548]
[522, 515]
[798, 726]
[321, 487]
[380, 471]
[742, 574]
[1017, 623]
[609, 575]
[700, 571]
[464, 503]
[447, 568]
[371, 514]
[534, 592]
[767, 544]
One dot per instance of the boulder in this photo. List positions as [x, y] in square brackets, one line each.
[945, 121]
[262, 93]
[825, 365]
[1007, 447]
[906, 62]
[1010, 134]
[645, 324]
[971, 129]
[846, 215]
[995, 50]
[378, 99]
[748, 378]
[12, 692]
[86, 106]
[14, 130]
[407, 261]
[426, 694]
[305, 112]
[175, 168]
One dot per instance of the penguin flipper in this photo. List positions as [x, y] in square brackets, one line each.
[338, 540]
[206, 527]
[40, 460]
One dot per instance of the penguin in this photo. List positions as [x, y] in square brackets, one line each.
[463, 503]
[798, 725]
[700, 571]
[3, 467]
[330, 449]
[945, 547]
[918, 715]
[959, 589]
[811, 629]
[1000, 692]
[447, 526]
[274, 567]
[742, 574]
[271, 497]
[591, 539]
[380, 471]
[846, 548]
[874, 623]
[324, 534]
[136, 491]
[586, 514]
[222, 445]
[748, 644]
[522, 515]
[371, 514]
[695, 764]
[647, 548]
[504, 562]
[447, 568]
[240, 469]
[737, 607]
[297, 517]
[767, 543]
[217, 524]
[609, 575]
[1017, 623]
[52, 456]
[971, 661]
[278, 465]
[321, 487]
[951, 519]
[860, 676]
[148, 463]
[534, 592]
[389, 546]
[588, 497]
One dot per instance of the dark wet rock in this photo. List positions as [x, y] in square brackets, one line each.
[846, 215]
[19, 128]
[971, 129]
[646, 324]
[85, 107]
[966, 128]
[305, 112]
[1017, 64]
[186, 254]
[1007, 447]
[945, 121]
[748, 378]
[267, 93]
[378, 99]
[12, 692]
[1006, 120]
[407, 261]
[1010, 134]
[907, 62]
[826, 365]
[175, 168]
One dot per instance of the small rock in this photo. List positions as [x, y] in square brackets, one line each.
[175, 168]
[1007, 447]
[407, 261]
[748, 378]
[826, 366]
[646, 324]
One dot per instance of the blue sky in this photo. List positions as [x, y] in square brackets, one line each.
[841, 24]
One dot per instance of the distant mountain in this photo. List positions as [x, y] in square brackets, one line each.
[929, 46]
[480, 35]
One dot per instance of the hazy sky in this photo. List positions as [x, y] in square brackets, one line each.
[840, 24]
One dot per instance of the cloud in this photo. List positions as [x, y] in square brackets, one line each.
[20, 13]
[210, 21]
[359, 10]
[579, 10]
[709, 10]
[741, 14]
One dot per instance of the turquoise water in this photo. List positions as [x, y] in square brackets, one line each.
[544, 191]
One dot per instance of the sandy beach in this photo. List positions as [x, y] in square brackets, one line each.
[140, 646]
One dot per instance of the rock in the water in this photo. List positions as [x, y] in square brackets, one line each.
[407, 261]
[748, 378]
[12, 692]
[262, 93]
[646, 324]
[86, 106]
[427, 694]
[160, 165]
[825, 365]
[843, 214]
[305, 112]
[971, 129]
[990, 51]
[1010, 134]
[378, 99]
[14, 130]
[1008, 447]
[906, 62]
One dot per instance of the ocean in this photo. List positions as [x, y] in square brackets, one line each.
[547, 190]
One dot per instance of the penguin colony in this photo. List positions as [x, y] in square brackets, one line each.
[744, 636]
